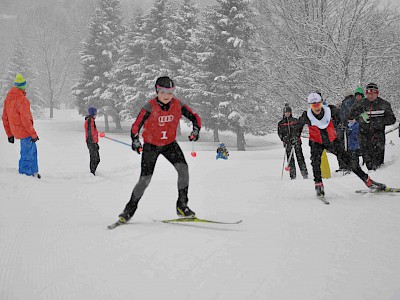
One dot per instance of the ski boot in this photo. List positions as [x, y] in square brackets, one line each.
[182, 209]
[319, 189]
[375, 185]
[128, 212]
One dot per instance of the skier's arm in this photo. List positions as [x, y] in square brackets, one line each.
[303, 120]
[355, 111]
[6, 124]
[389, 115]
[26, 118]
[280, 133]
[141, 118]
[336, 114]
[192, 116]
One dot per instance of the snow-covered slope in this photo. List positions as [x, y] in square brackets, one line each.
[54, 243]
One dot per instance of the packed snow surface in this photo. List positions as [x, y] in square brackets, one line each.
[54, 242]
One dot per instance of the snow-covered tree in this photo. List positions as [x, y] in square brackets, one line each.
[100, 53]
[157, 59]
[229, 49]
[183, 49]
[324, 45]
[127, 69]
[21, 63]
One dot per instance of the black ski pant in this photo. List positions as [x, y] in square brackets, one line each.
[94, 156]
[337, 149]
[298, 151]
[173, 153]
[341, 132]
[373, 149]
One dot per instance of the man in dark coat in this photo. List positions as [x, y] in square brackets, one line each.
[291, 139]
[373, 114]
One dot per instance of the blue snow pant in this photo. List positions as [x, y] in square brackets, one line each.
[28, 163]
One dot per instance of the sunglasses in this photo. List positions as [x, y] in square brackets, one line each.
[164, 90]
[371, 92]
[316, 105]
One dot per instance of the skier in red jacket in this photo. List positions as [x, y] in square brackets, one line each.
[160, 118]
[319, 119]
[92, 139]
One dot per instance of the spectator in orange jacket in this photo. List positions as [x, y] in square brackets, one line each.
[18, 124]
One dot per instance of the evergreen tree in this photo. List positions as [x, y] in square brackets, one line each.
[127, 70]
[21, 63]
[230, 51]
[100, 53]
[157, 59]
[185, 23]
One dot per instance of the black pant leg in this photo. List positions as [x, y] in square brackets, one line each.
[378, 157]
[367, 150]
[300, 160]
[173, 153]
[316, 153]
[149, 154]
[338, 150]
[292, 166]
[94, 156]
[340, 140]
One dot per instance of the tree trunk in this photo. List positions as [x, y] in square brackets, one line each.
[363, 61]
[51, 109]
[216, 134]
[117, 121]
[240, 139]
[106, 125]
[51, 103]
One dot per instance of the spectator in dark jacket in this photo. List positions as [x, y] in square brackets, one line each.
[291, 139]
[92, 139]
[373, 114]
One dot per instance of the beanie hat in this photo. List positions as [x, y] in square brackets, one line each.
[287, 108]
[20, 82]
[348, 92]
[314, 98]
[359, 90]
[164, 83]
[372, 86]
[92, 111]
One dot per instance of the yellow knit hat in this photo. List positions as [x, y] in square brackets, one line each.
[20, 82]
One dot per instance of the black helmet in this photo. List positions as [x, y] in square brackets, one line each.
[164, 82]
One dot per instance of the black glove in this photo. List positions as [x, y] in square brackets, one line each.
[136, 145]
[33, 140]
[11, 139]
[286, 139]
[195, 134]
